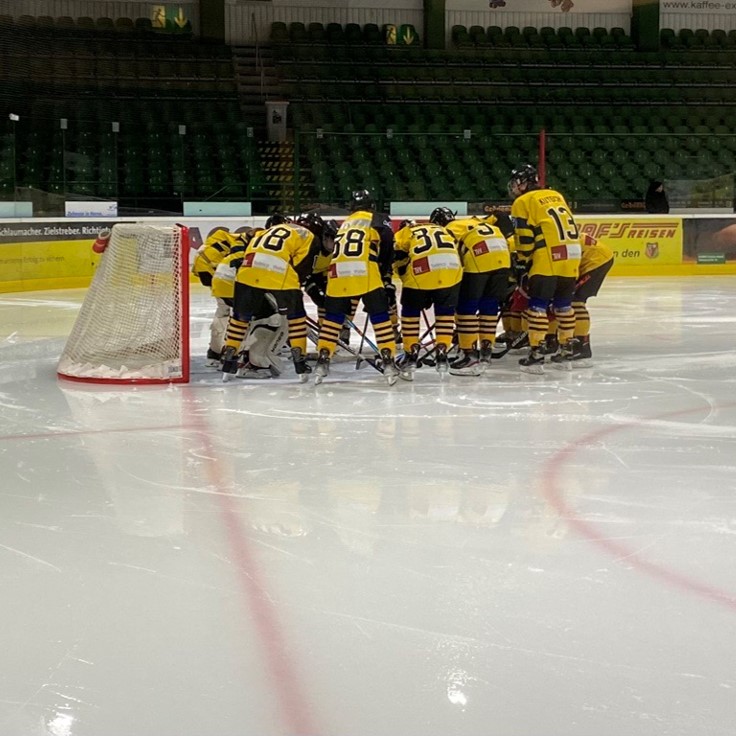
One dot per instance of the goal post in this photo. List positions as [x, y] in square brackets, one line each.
[133, 326]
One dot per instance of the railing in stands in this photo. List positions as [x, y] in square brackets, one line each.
[259, 60]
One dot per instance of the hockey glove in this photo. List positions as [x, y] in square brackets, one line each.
[314, 287]
[520, 268]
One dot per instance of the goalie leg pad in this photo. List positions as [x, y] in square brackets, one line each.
[265, 340]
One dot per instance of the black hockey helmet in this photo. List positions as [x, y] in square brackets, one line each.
[331, 228]
[277, 218]
[313, 222]
[525, 175]
[441, 216]
[361, 199]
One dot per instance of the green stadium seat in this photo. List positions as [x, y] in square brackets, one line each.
[600, 34]
[143, 26]
[124, 25]
[513, 36]
[723, 39]
[688, 38]
[478, 35]
[372, 34]
[353, 34]
[279, 32]
[334, 33]
[105, 26]
[495, 36]
[298, 32]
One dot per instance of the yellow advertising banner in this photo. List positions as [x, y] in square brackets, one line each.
[642, 244]
[43, 256]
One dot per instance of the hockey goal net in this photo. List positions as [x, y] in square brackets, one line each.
[133, 326]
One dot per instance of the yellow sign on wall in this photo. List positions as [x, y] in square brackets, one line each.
[637, 242]
[171, 17]
[60, 264]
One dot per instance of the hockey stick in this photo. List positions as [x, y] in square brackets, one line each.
[313, 335]
[513, 345]
[365, 337]
[362, 339]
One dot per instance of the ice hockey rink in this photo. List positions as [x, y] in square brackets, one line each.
[512, 555]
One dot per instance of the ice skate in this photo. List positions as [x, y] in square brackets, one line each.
[563, 359]
[408, 364]
[300, 365]
[441, 365]
[229, 364]
[486, 354]
[534, 362]
[468, 364]
[213, 359]
[551, 345]
[582, 357]
[322, 368]
[390, 369]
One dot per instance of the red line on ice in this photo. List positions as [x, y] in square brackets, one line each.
[555, 496]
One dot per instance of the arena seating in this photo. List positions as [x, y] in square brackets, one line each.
[614, 118]
[87, 74]
[416, 123]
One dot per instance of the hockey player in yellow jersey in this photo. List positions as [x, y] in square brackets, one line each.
[275, 262]
[216, 247]
[315, 285]
[486, 260]
[548, 244]
[426, 259]
[595, 263]
[360, 268]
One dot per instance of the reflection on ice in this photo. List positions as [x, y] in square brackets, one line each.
[513, 554]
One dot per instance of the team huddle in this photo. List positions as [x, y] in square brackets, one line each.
[533, 270]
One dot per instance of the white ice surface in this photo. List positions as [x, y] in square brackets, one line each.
[506, 556]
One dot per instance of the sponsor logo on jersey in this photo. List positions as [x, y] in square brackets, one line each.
[420, 266]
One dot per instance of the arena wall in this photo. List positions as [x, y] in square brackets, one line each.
[43, 254]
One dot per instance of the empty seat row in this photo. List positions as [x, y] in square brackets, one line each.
[336, 34]
[546, 37]
[700, 39]
[87, 26]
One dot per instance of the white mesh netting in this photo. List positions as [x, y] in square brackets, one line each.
[132, 324]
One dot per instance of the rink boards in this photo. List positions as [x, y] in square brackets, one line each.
[57, 254]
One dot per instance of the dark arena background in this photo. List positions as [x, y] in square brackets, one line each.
[488, 517]
[153, 105]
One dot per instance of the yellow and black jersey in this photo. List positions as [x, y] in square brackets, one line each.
[546, 233]
[483, 247]
[322, 262]
[595, 253]
[223, 281]
[211, 252]
[426, 257]
[354, 266]
[276, 258]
